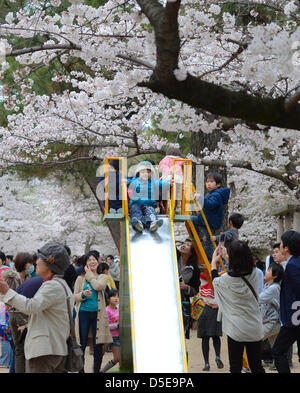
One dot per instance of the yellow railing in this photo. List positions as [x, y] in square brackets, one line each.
[188, 190]
[197, 209]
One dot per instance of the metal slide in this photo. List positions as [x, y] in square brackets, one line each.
[151, 303]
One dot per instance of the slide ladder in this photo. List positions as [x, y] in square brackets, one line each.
[151, 323]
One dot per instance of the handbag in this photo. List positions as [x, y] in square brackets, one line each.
[75, 358]
[196, 307]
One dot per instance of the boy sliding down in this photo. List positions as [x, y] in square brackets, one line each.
[145, 193]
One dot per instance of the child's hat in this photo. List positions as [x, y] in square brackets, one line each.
[144, 165]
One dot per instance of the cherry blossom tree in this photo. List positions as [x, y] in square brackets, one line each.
[189, 65]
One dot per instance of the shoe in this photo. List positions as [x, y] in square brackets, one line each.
[219, 362]
[137, 225]
[206, 367]
[155, 225]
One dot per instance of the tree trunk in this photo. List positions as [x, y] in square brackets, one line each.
[114, 227]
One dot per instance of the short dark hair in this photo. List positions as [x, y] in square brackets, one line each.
[291, 239]
[240, 258]
[9, 257]
[237, 220]
[95, 253]
[112, 293]
[276, 245]
[216, 176]
[21, 260]
[110, 257]
[81, 260]
[2, 256]
[149, 160]
[103, 266]
[278, 271]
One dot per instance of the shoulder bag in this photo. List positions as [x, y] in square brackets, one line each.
[250, 286]
[75, 359]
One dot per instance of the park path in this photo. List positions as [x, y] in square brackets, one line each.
[195, 358]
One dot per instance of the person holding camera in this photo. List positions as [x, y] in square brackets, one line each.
[236, 295]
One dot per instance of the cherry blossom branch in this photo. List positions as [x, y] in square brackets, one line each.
[23, 51]
[136, 61]
[197, 93]
[15, 164]
[273, 173]
[234, 56]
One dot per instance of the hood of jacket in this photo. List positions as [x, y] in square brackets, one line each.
[224, 193]
[144, 165]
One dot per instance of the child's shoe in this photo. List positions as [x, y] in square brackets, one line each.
[155, 225]
[137, 225]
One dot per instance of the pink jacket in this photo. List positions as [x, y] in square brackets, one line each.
[166, 166]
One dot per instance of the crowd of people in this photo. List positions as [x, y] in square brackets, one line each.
[34, 323]
[251, 303]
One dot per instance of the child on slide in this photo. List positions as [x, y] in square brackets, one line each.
[144, 190]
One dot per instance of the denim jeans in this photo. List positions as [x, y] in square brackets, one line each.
[145, 214]
[12, 360]
[87, 320]
[6, 353]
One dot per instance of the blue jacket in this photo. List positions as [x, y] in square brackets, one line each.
[146, 192]
[290, 292]
[213, 207]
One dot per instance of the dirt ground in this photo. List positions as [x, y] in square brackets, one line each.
[195, 358]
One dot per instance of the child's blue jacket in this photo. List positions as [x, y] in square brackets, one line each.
[213, 207]
[146, 193]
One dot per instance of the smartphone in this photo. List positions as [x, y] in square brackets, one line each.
[221, 242]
